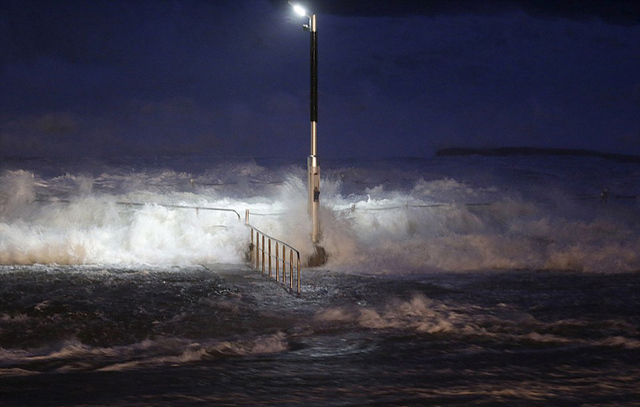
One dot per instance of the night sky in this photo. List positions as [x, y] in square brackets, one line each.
[396, 78]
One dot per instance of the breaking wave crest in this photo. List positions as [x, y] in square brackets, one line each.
[404, 219]
[72, 355]
[501, 324]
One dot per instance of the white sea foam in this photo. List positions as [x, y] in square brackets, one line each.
[382, 221]
[426, 316]
[72, 355]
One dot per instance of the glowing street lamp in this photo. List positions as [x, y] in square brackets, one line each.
[312, 160]
[299, 9]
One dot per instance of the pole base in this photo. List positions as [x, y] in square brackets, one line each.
[318, 258]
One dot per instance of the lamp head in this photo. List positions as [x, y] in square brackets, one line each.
[299, 9]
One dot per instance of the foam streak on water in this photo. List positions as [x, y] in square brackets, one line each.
[84, 335]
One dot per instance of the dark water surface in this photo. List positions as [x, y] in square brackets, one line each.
[225, 335]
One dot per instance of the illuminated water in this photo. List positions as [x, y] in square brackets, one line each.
[451, 281]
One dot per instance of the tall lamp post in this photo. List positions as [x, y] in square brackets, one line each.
[312, 161]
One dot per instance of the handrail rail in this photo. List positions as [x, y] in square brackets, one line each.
[260, 248]
[197, 208]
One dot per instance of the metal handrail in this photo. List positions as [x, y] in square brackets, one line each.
[125, 203]
[262, 258]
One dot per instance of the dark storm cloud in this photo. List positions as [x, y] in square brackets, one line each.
[108, 32]
[611, 11]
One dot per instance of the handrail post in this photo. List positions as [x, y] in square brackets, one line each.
[290, 280]
[298, 273]
[251, 248]
[257, 250]
[277, 262]
[263, 253]
[291, 262]
[284, 271]
[269, 252]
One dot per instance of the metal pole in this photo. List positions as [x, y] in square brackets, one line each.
[312, 161]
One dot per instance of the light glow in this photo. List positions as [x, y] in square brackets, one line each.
[299, 9]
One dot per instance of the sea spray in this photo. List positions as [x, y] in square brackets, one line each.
[406, 218]
[17, 188]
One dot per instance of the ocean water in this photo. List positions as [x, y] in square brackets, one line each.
[450, 281]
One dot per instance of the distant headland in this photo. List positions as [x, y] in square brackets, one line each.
[511, 151]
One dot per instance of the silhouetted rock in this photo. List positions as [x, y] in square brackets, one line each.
[511, 151]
